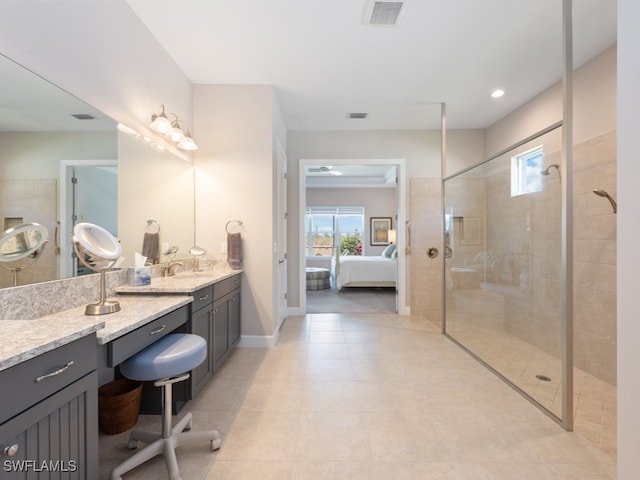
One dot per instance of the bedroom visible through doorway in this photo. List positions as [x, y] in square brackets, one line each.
[350, 211]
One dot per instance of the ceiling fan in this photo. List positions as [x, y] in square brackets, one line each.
[324, 169]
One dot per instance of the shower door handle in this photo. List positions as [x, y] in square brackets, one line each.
[432, 252]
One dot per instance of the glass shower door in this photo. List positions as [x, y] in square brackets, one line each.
[503, 277]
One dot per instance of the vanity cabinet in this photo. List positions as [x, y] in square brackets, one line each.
[49, 414]
[202, 324]
[215, 316]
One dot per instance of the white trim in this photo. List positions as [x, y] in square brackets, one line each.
[403, 308]
[258, 341]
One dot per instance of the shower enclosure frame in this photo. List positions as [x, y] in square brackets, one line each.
[565, 169]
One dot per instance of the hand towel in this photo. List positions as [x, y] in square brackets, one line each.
[151, 248]
[234, 250]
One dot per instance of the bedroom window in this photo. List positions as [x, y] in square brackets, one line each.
[327, 226]
[525, 172]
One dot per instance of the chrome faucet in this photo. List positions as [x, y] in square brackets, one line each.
[169, 270]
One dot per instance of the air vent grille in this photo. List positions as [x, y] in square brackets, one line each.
[83, 116]
[385, 13]
[357, 115]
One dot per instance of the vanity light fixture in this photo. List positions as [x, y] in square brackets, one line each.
[173, 130]
[126, 129]
[160, 123]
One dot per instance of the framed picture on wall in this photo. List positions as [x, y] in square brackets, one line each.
[379, 230]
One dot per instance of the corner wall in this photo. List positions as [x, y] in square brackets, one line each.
[234, 181]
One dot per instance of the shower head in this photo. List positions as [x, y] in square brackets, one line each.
[605, 194]
[545, 172]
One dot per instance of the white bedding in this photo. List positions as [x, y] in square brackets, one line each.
[359, 271]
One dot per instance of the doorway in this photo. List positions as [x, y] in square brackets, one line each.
[326, 170]
[88, 193]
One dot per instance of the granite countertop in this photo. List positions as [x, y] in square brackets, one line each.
[183, 282]
[25, 339]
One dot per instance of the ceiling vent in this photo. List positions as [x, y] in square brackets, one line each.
[384, 13]
[357, 115]
[83, 116]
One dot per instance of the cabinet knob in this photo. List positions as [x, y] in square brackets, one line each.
[11, 450]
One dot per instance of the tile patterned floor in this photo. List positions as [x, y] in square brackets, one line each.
[594, 404]
[355, 396]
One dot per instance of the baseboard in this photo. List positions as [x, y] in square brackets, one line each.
[258, 341]
[295, 311]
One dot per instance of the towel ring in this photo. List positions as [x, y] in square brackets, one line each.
[152, 227]
[226, 227]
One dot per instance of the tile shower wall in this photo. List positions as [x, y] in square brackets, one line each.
[425, 280]
[527, 236]
[31, 200]
[595, 258]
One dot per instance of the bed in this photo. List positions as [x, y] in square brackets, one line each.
[362, 271]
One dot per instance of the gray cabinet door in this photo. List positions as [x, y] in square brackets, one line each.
[56, 438]
[220, 332]
[201, 324]
[234, 318]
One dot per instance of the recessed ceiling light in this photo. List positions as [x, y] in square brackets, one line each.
[497, 93]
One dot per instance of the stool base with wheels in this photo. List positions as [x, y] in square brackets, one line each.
[166, 359]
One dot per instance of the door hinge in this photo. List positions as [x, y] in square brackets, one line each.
[285, 295]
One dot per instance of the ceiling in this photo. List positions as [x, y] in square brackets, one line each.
[325, 62]
[22, 109]
[350, 176]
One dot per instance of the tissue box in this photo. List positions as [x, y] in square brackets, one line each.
[140, 276]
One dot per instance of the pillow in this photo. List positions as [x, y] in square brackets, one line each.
[394, 255]
[387, 252]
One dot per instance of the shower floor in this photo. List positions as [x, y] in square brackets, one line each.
[594, 401]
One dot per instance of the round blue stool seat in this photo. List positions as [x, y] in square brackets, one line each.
[172, 355]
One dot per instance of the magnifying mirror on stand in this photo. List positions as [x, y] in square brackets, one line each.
[197, 252]
[98, 250]
[24, 243]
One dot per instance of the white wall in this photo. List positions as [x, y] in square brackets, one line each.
[628, 234]
[107, 58]
[234, 181]
[594, 107]
[419, 148]
[38, 154]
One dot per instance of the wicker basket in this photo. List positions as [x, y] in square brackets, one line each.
[119, 405]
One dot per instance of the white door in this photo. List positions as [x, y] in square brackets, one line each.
[281, 241]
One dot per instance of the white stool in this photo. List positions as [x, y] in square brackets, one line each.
[166, 362]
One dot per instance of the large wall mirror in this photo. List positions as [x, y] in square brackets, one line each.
[63, 162]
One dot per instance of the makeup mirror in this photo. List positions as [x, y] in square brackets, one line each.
[21, 246]
[98, 250]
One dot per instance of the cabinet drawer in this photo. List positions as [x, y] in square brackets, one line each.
[202, 298]
[225, 286]
[131, 343]
[38, 378]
